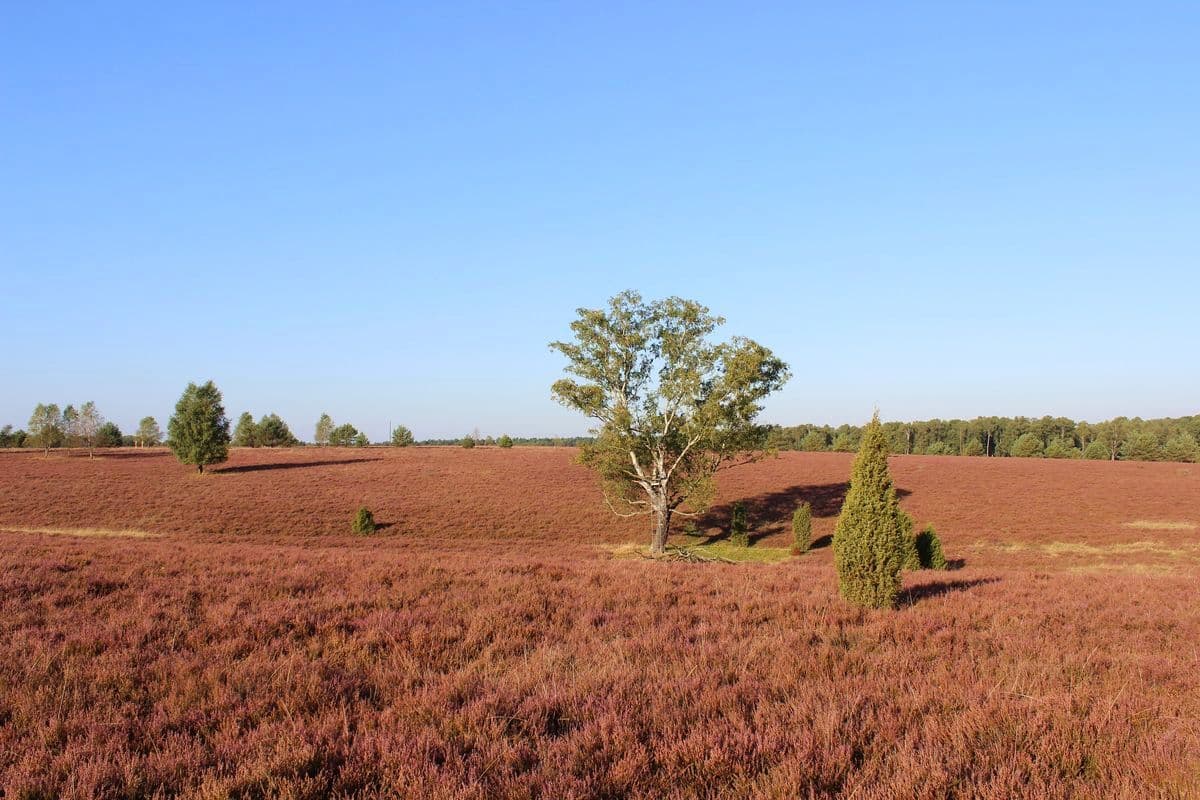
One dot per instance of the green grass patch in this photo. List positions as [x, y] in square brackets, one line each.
[715, 550]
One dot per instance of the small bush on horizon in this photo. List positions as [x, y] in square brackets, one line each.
[929, 549]
[364, 522]
[801, 529]
[468, 442]
[1096, 451]
[402, 437]
[504, 441]
[739, 530]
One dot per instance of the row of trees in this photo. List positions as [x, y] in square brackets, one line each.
[269, 431]
[1122, 438]
[49, 428]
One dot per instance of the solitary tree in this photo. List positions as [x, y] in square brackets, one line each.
[45, 426]
[401, 437]
[88, 425]
[505, 441]
[868, 544]
[672, 407]
[148, 433]
[245, 433]
[199, 431]
[324, 428]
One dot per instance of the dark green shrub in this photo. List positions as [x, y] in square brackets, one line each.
[504, 441]
[1028, 445]
[468, 442]
[868, 550]
[739, 531]
[364, 522]
[1096, 451]
[912, 560]
[929, 549]
[801, 529]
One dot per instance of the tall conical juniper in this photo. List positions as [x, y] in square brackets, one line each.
[868, 543]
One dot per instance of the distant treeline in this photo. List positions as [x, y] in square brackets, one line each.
[536, 441]
[1136, 439]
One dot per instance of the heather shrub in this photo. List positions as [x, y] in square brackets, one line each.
[801, 529]
[868, 550]
[739, 531]
[364, 522]
[929, 549]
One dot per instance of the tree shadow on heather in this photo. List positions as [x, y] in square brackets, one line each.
[927, 591]
[771, 513]
[292, 465]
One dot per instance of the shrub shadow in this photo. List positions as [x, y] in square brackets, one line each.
[927, 591]
[292, 465]
[771, 513]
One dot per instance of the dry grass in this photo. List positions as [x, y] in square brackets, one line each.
[1151, 525]
[126, 533]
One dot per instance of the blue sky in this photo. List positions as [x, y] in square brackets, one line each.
[387, 211]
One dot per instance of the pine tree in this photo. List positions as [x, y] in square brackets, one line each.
[401, 437]
[245, 434]
[868, 547]
[199, 432]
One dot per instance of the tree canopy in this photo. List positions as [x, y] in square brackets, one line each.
[198, 433]
[671, 406]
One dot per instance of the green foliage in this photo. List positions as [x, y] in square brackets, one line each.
[939, 449]
[467, 442]
[148, 433]
[672, 407]
[343, 435]
[814, 442]
[272, 431]
[739, 528]
[109, 435]
[199, 431]
[1028, 445]
[1096, 451]
[1142, 447]
[363, 523]
[1060, 448]
[868, 547]
[401, 436]
[1182, 447]
[360, 440]
[46, 427]
[974, 447]
[11, 438]
[504, 441]
[929, 550]
[801, 529]
[245, 433]
[912, 559]
[845, 443]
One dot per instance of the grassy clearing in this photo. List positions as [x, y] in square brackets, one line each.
[715, 550]
[127, 533]
[1160, 525]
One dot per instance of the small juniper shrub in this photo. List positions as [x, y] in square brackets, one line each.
[868, 549]
[801, 529]
[929, 549]
[364, 522]
[739, 531]
[912, 559]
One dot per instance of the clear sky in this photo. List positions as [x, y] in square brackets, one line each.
[386, 211]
